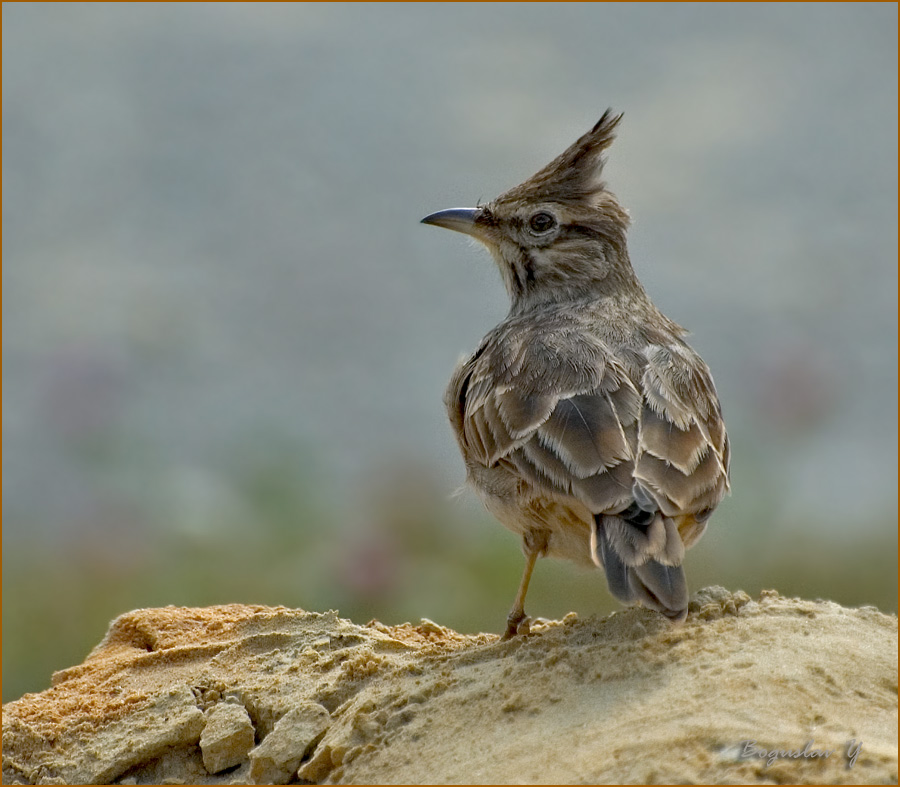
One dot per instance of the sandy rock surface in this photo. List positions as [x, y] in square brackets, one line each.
[242, 694]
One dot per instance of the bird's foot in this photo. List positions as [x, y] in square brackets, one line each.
[518, 623]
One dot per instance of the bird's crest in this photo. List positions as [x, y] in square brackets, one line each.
[576, 174]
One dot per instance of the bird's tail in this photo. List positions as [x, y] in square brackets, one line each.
[641, 555]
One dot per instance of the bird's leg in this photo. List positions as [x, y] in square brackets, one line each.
[534, 544]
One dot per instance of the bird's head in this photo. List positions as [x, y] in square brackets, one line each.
[560, 235]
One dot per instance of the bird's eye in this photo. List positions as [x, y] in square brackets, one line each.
[542, 222]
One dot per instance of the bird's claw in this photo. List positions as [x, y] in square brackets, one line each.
[518, 624]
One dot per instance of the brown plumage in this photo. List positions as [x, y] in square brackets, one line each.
[586, 423]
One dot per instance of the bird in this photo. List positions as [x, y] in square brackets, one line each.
[587, 425]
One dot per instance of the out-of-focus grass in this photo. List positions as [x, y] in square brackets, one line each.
[411, 554]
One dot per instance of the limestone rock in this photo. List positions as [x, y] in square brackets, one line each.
[766, 690]
[227, 737]
[276, 759]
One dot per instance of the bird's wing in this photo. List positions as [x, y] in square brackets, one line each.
[557, 406]
[682, 463]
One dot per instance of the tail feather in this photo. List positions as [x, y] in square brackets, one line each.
[663, 588]
[633, 575]
[613, 566]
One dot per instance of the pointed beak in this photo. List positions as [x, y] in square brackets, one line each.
[458, 219]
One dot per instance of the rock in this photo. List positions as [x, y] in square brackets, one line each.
[745, 691]
[227, 737]
[276, 759]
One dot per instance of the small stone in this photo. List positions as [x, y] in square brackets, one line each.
[318, 767]
[227, 738]
[430, 627]
[714, 594]
[277, 758]
[750, 608]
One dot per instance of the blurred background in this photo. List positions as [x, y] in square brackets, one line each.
[226, 336]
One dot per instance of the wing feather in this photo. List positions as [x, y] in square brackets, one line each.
[585, 432]
[683, 453]
[557, 405]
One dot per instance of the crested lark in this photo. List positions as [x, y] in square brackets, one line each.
[587, 425]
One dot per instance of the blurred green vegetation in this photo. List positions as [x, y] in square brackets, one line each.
[399, 550]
